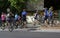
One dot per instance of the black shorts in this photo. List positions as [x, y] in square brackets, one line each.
[51, 17]
[35, 18]
[46, 17]
[9, 20]
[23, 18]
[3, 20]
[16, 20]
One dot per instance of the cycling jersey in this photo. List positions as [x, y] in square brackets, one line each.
[46, 12]
[50, 14]
[16, 17]
[24, 13]
[7, 17]
[3, 17]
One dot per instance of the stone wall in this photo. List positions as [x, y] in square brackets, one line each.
[34, 5]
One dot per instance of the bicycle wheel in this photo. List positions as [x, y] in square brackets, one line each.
[3, 26]
[11, 27]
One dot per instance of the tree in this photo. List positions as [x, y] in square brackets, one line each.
[18, 4]
[3, 4]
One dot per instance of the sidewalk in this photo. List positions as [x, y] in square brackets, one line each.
[46, 29]
[35, 29]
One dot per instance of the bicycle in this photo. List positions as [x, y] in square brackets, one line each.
[23, 23]
[3, 25]
[11, 25]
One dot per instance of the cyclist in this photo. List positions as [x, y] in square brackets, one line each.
[16, 20]
[37, 18]
[3, 18]
[10, 20]
[46, 15]
[24, 13]
[50, 15]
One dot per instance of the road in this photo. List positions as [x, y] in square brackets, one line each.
[28, 34]
[22, 34]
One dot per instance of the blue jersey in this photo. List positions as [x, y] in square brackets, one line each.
[46, 12]
[16, 17]
[24, 13]
[50, 14]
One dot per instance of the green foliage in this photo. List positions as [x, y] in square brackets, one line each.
[3, 4]
[18, 4]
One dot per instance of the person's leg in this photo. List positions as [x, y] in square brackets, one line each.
[17, 23]
[50, 20]
[25, 22]
[34, 22]
[46, 21]
[3, 24]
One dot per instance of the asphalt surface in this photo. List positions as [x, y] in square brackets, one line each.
[28, 34]
[22, 34]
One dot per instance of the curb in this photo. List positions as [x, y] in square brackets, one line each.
[34, 30]
[49, 30]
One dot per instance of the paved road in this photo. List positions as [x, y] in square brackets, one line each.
[21, 34]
